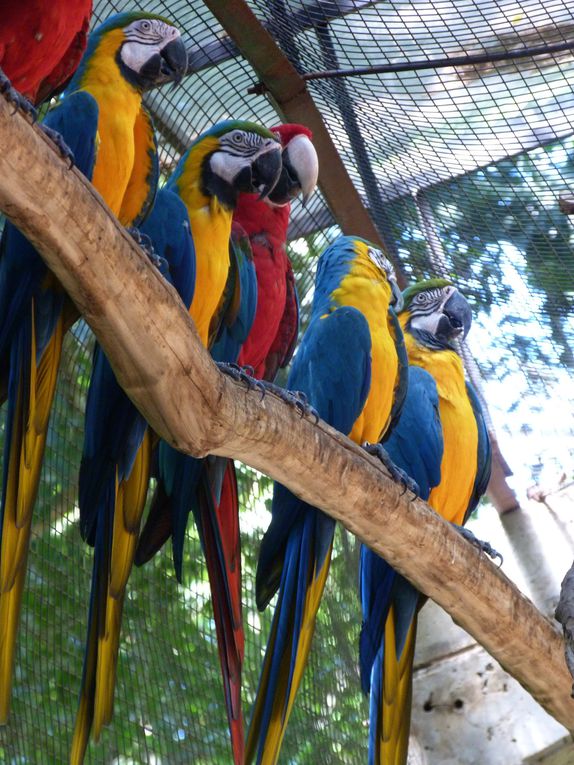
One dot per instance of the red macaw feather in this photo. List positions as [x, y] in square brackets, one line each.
[41, 43]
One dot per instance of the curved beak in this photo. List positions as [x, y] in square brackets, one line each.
[299, 172]
[174, 60]
[397, 300]
[168, 65]
[456, 317]
[265, 171]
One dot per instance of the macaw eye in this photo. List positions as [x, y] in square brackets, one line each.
[146, 26]
[380, 261]
[238, 138]
[421, 297]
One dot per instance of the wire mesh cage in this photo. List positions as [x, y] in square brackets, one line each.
[461, 168]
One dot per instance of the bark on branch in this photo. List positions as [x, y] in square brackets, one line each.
[158, 358]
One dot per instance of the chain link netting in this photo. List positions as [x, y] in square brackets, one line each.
[461, 169]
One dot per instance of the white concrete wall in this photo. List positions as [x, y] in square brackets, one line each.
[466, 709]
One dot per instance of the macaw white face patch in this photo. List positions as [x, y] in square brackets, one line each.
[382, 263]
[227, 166]
[239, 149]
[145, 38]
[427, 308]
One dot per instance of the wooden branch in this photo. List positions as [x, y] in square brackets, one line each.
[158, 358]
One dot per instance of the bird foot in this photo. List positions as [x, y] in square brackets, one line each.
[17, 99]
[398, 475]
[484, 547]
[146, 244]
[241, 374]
[565, 615]
[244, 374]
[63, 148]
[295, 398]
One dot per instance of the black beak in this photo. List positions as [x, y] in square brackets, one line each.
[169, 65]
[265, 172]
[174, 60]
[456, 317]
[288, 185]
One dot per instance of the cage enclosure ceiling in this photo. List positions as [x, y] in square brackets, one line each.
[460, 168]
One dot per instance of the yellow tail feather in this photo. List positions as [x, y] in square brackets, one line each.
[394, 725]
[43, 379]
[85, 713]
[259, 704]
[29, 432]
[283, 705]
[128, 511]
[10, 606]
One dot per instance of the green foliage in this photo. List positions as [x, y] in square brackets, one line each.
[512, 207]
[169, 702]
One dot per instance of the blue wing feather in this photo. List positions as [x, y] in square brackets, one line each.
[114, 429]
[333, 368]
[169, 229]
[415, 446]
[484, 454]
[75, 117]
[235, 329]
[21, 268]
[31, 331]
[400, 392]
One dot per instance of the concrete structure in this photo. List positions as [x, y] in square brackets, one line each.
[466, 709]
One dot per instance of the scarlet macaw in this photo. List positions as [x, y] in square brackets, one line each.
[441, 441]
[113, 482]
[272, 338]
[267, 341]
[231, 158]
[103, 122]
[41, 44]
[264, 342]
[349, 365]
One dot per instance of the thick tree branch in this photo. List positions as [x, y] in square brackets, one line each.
[156, 353]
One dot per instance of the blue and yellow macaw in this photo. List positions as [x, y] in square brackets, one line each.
[110, 135]
[441, 441]
[350, 366]
[231, 158]
[113, 482]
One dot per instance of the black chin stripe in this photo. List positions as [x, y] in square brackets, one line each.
[423, 337]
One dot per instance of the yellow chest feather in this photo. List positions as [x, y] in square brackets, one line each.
[211, 228]
[119, 104]
[371, 296]
[115, 159]
[460, 432]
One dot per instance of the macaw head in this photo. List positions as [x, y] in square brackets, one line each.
[436, 313]
[147, 49]
[300, 165]
[355, 258]
[230, 158]
[387, 270]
